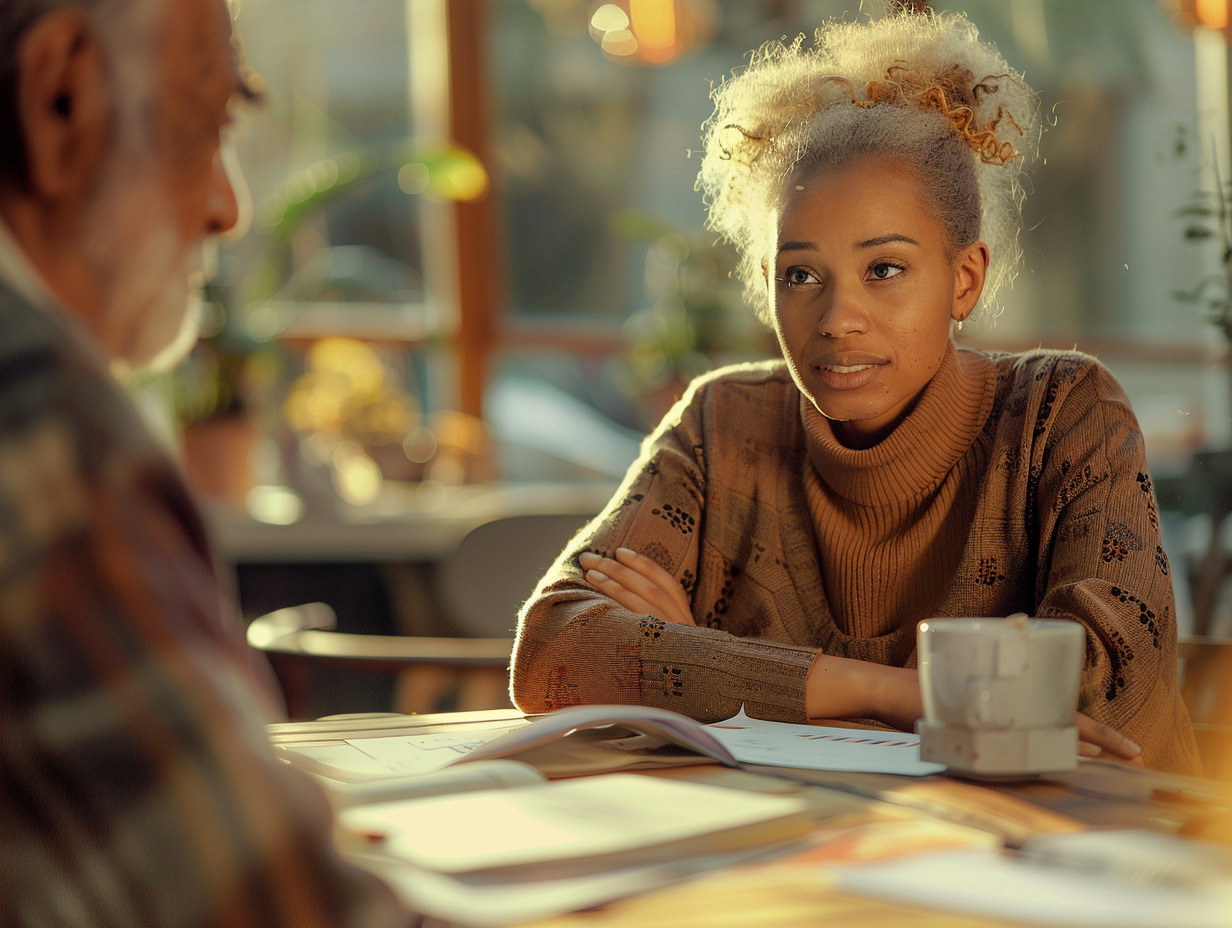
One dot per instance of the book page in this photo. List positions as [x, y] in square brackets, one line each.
[814, 747]
[425, 752]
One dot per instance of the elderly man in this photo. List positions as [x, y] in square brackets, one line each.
[137, 784]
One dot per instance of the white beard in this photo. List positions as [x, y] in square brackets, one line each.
[148, 278]
[162, 312]
[150, 285]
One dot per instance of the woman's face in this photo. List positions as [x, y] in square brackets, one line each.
[863, 292]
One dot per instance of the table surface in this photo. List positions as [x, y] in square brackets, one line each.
[410, 522]
[1100, 794]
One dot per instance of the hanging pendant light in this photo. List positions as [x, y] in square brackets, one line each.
[1213, 14]
[651, 32]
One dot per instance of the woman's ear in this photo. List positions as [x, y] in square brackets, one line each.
[63, 105]
[970, 269]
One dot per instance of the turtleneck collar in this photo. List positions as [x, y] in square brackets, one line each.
[924, 447]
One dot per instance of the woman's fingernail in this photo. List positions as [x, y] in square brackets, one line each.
[588, 556]
[1130, 748]
[1089, 750]
[627, 552]
[596, 576]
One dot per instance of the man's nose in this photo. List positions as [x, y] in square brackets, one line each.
[229, 210]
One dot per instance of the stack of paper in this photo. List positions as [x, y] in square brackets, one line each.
[499, 857]
[574, 826]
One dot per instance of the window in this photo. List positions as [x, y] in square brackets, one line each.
[585, 282]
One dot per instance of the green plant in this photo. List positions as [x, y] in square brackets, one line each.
[238, 358]
[446, 171]
[697, 317]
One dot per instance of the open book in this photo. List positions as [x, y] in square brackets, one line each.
[593, 739]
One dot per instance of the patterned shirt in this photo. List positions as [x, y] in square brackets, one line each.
[137, 782]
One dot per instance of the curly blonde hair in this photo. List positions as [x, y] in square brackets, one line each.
[922, 89]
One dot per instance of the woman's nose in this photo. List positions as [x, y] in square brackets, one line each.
[842, 315]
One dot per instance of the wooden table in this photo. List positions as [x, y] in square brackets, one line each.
[1099, 794]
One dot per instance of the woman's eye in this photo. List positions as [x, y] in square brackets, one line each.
[798, 277]
[884, 270]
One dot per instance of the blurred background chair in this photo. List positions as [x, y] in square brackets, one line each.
[1206, 490]
[1206, 685]
[300, 640]
[495, 567]
[481, 585]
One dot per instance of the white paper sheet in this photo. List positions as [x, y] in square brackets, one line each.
[425, 752]
[989, 884]
[339, 761]
[814, 747]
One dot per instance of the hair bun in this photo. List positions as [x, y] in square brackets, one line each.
[765, 117]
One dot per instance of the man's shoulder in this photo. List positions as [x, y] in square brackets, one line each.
[27, 328]
[70, 438]
[47, 368]
[52, 376]
[43, 493]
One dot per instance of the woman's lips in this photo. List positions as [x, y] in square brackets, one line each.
[849, 372]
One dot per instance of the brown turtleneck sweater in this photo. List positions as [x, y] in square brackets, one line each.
[1017, 484]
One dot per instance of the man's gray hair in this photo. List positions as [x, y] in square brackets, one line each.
[115, 20]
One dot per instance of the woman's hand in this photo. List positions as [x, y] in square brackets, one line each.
[1094, 738]
[846, 688]
[639, 584]
[842, 688]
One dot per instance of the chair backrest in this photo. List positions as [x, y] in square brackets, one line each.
[300, 641]
[1206, 684]
[495, 567]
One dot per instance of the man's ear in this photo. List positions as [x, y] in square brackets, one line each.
[63, 105]
[970, 269]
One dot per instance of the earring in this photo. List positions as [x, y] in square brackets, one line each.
[959, 326]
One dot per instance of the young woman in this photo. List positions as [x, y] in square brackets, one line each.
[789, 524]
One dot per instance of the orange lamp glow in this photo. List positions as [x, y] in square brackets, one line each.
[654, 32]
[654, 24]
[1212, 13]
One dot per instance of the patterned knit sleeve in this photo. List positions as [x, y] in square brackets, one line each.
[1101, 562]
[577, 646]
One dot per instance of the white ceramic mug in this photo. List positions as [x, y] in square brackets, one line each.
[1000, 694]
